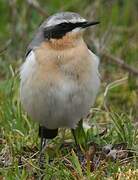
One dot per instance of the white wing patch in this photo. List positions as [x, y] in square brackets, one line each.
[95, 58]
[28, 67]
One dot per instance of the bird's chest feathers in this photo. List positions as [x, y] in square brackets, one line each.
[58, 73]
[72, 64]
[58, 84]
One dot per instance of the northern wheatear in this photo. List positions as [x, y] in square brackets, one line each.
[59, 79]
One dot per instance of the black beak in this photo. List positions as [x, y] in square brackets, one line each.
[87, 24]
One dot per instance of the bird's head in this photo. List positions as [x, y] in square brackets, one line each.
[64, 27]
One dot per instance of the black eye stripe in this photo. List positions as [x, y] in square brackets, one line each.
[66, 24]
[59, 30]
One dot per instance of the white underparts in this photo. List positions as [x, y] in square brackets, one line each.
[60, 103]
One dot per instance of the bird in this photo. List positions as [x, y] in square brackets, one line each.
[59, 79]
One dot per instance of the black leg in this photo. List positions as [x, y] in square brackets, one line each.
[78, 148]
[43, 144]
[45, 134]
[74, 135]
[79, 135]
[42, 155]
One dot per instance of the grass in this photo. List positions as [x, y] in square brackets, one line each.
[20, 144]
[113, 120]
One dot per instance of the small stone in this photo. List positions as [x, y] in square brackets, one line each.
[106, 149]
[112, 154]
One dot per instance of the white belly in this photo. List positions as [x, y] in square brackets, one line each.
[60, 104]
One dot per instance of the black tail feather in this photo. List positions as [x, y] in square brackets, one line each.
[47, 133]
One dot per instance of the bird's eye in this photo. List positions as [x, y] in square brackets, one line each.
[63, 25]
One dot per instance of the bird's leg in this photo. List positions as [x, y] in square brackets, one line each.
[42, 155]
[45, 134]
[78, 148]
[42, 149]
[79, 135]
[74, 135]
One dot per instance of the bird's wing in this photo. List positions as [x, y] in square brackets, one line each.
[28, 65]
[37, 40]
[96, 62]
[95, 58]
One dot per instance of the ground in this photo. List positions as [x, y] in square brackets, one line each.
[112, 142]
